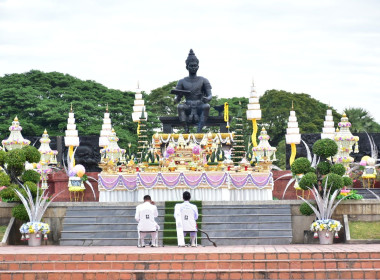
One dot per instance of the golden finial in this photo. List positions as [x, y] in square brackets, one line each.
[292, 105]
[263, 129]
[113, 130]
[107, 108]
[16, 119]
[71, 108]
[337, 129]
[344, 115]
[45, 131]
[138, 84]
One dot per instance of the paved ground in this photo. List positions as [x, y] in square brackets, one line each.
[301, 248]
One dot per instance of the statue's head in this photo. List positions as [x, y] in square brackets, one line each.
[192, 63]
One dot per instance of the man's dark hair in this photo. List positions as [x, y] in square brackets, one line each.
[147, 198]
[186, 196]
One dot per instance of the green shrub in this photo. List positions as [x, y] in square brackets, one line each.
[15, 158]
[31, 176]
[334, 181]
[7, 194]
[324, 167]
[325, 148]
[3, 156]
[19, 212]
[347, 181]
[338, 168]
[312, 170]
[308, 180]
[33, 189]
[300, 166]
[31, 154]
[4, 179]
[306, 210]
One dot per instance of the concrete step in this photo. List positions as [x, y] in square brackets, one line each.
[248, 233]
[104, 213]
[100, 234]
[246, 218]
[111, 219]
[367, 194]
[212, 265]
[243, 225]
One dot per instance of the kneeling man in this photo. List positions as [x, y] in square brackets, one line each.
[186, 214]
[145, 214]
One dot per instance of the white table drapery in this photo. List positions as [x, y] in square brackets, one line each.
[210, 186]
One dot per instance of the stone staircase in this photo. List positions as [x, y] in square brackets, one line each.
[226, 225]
[247, 224]
[368, 195]
[216, 263]
[102, 226]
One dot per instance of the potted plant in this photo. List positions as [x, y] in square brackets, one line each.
[325, 227]
[35, 208]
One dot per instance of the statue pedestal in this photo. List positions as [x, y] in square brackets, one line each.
[169, 123]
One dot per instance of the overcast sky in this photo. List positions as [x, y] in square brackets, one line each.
[328, 49]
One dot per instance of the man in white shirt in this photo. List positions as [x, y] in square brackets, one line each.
[186, 205]
[145, 214]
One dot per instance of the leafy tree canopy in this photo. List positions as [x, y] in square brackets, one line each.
[42, 100]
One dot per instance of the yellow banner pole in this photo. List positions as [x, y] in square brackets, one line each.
[293, 154]
[254, 133]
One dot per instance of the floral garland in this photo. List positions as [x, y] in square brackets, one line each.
[34, 227]
[133, 183]
[344, 124]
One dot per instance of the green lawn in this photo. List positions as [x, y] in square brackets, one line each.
[364, 230]
[2, 231]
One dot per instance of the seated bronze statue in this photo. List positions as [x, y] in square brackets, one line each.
[197, 93]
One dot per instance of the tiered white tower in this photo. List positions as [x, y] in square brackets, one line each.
[138, 107]
[345, 140]
[293, 135]
[15, 140]
[253, 111]
[264, 149]
[113, 152]
[71, 134]
[48, 156]
[106, 130]
[328, 130]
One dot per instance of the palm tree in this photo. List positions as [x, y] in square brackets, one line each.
[361, 120]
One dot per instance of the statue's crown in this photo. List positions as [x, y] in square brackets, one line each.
[191, 57]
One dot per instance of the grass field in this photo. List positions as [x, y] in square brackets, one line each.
[2, 231]
[364, 230]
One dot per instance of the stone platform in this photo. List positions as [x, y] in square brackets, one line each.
[227, 262]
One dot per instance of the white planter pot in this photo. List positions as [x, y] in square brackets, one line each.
[33, 241]
[326, 240]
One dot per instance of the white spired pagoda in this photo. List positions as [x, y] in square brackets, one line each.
[71, 134]
[106, 130]
[328, 130]
[15, 139]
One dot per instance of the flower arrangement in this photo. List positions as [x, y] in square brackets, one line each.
[35, 208]
[170, 150]
[34, 227]
[326, 206]
[329, 225]
[196, 150]
[344, 124]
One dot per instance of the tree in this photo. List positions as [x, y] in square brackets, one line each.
[276, 104]
[42, 100]
[361, 120]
